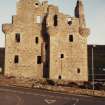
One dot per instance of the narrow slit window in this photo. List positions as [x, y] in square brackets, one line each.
[55, 20]
[59, 77]
[38, 59]
[62, 56]
[16, 59]
[37, 40]
[17, 37]
[78, 70]
[71, 38]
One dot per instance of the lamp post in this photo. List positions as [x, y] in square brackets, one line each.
[62, 56]
[61, 68]
[93, 81]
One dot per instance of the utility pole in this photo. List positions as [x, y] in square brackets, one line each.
[93, 81]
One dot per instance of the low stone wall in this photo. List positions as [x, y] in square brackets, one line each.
[78, 91]
[31, 83]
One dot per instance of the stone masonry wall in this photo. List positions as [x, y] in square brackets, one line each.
[25, 23]
[74, 52]
[51, 44]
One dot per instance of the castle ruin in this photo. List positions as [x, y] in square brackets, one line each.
[42, 42]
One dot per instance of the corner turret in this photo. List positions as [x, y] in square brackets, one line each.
[79, 13]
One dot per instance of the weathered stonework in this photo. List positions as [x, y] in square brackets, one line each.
[51, 45]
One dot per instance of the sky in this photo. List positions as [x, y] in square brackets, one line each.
[94, 13]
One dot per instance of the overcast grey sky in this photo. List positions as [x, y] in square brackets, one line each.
[94, 12]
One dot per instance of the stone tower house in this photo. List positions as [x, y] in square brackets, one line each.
[42, 42]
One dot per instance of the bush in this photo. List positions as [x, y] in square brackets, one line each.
[50, 82]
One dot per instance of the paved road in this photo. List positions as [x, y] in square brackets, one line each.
[18, 96]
